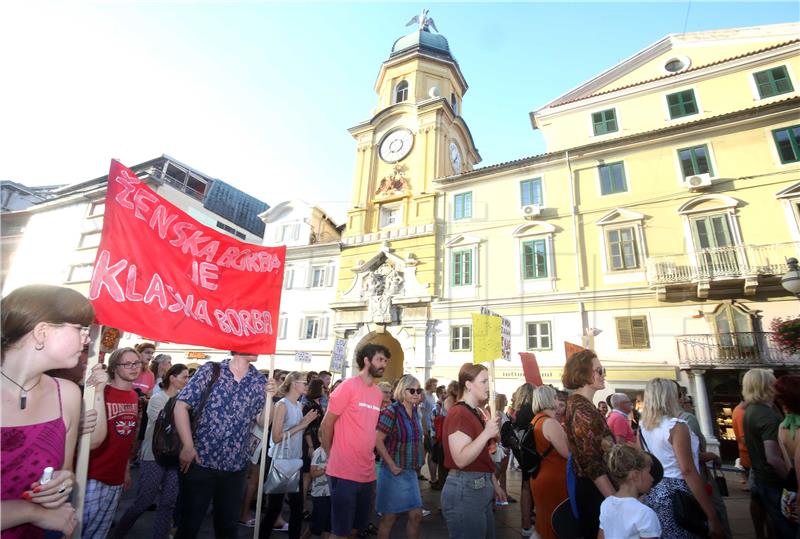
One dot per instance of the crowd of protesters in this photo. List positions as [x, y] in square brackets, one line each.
[357, 449]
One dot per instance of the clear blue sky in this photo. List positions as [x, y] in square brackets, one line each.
[261, 95]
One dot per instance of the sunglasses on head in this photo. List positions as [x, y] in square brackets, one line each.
[415, 391]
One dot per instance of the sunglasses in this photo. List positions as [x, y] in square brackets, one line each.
[601, 371]
[413, 391]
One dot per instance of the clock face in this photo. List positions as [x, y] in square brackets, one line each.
[455, 158]
[396, 145]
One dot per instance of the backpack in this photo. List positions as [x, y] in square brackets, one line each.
[530, 460]
[166, 442]
[510, 437]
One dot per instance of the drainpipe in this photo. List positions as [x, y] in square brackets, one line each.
[576, 248]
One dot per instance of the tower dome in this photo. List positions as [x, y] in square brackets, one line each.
[422, 40]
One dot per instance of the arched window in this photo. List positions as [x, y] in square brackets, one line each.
[401, 92]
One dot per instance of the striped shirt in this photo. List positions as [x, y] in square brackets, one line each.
[403, 435]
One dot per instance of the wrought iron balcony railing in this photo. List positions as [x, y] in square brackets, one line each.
[738, 261]
[733, 351]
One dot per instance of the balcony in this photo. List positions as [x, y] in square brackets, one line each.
[701, 268]
[732, 351]
[181, 185]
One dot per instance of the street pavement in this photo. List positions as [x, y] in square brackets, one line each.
[507, 519]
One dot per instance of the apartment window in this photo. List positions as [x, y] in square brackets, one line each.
[230, 230]
[391, 215]
[97, 208]
[463, 205]
[681, 104]
[622, 251]
[282, 326]
[695, 161]
[454, 103]
[462, 267]
[460, 339]
[288, 278]
[90, 239]
[534, 259]
[787, 141]
[612, 178]
[80, 273]
[317, 277]
[632, 332]
[604, 122]
[310, 328]
[538, 336]
[290, 231]
[774, 81]
[401, 92]
[531, 191]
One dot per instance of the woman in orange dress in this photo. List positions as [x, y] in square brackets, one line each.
[549, 486]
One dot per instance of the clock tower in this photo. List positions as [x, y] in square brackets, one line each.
[390, 268]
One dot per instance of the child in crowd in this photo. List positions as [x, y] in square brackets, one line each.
[623, 516]
[320, 496]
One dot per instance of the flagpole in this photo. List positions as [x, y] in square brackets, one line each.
[264, 444]
[85, 440]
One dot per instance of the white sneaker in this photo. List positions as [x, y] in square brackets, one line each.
[527, 532]
[425, 512]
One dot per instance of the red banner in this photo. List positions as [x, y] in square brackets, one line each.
[530, 367]
[162, 274]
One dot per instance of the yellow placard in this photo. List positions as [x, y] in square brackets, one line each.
[487, 339]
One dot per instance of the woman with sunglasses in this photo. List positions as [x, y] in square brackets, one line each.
[288, 427]
[43, 328]
[587, 430]
[399, 443]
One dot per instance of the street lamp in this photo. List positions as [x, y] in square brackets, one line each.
[791, 279]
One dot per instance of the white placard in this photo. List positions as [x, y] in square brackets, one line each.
[302, 357]
[337, 357]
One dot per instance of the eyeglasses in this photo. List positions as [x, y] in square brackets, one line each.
[415, 391]
[84, 330]
[601, 371]
[130, 366]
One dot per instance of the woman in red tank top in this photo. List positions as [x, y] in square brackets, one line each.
[44, 327]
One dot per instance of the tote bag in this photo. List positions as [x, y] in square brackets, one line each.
[284, 472]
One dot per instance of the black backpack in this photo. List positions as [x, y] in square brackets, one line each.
[530, 460]
[510, 437]
[166, 442]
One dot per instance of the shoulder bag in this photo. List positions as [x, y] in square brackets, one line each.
[284, 471]
[166, 442]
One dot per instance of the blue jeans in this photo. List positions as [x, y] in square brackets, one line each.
[468, 505]
[770, 498]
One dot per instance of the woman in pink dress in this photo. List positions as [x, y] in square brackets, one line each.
[43, 327]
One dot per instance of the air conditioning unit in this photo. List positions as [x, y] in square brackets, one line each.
[698, 182]
[531, 210]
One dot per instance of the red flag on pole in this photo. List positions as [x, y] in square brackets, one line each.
[530, 368]
[570, 348]
[160, 273]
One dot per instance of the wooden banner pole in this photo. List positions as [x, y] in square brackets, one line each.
[492, 391]
[85, 440]
[264, 444]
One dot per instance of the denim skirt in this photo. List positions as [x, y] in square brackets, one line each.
[397, 493]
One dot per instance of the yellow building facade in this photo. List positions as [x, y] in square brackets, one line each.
[655, 229]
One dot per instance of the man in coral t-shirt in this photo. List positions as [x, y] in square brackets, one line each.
[619, 419]
[348, 435]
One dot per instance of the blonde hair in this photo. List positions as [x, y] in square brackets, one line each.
[292, 377]
[543, 398]
[385, 385]
[622, 459]
[522, 396]
[500, 401]
[757, 386]
[404, 383]
[660, 400]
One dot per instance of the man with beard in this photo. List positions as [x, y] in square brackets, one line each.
[347, 434]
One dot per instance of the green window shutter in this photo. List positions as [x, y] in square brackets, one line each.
[457, 269]
[604, 122]
[639, 332]
[787, 141]
[534, 259]
[624, 333]
[462, 268]
[695, 160]
[773, 81]
[467, 257]
[681, 104]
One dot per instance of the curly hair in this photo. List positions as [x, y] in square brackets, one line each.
[578, 370]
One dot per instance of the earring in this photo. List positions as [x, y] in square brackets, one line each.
[39, 346]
